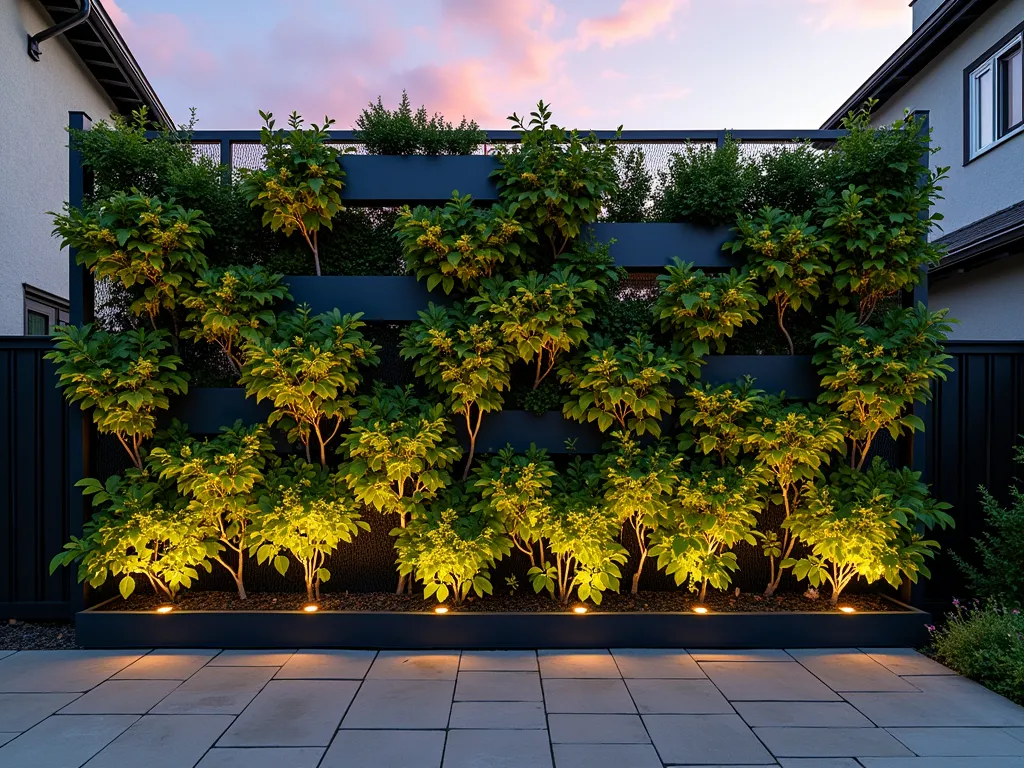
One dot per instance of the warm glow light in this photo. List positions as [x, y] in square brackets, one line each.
[700, 609]
[847, 609]
[165, 609]
[441, 609]
[311, 608]
[581, 609]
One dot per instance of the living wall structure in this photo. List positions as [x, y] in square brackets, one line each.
[641, 446]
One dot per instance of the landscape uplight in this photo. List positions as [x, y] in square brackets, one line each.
[700, 609]
[847, 609]
[580, 609]
[165, 609]
[441, 609]
[311, 608]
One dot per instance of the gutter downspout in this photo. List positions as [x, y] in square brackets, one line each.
[57, 29]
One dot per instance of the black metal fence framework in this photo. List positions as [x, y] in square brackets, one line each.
[45, 447]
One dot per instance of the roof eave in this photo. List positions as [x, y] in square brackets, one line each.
[943, 26]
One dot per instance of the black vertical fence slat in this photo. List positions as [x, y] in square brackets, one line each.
[33, 483]
[978, 419]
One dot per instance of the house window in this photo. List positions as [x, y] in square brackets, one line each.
[997, 97]
[43, 311]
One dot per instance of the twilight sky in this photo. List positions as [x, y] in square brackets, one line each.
[700, 64]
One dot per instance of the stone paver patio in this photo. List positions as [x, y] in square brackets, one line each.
[847, 708]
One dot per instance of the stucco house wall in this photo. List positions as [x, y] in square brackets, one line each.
[36, 99]
[994, 180]
[988, 301]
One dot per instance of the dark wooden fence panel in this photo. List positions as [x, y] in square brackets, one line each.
[977, 419]
[33, 482]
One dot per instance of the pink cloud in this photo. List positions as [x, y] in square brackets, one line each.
[635, 20]
[859, 14]
[613, 74]
[164, 42]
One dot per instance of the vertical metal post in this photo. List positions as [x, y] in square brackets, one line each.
[80, 293]
[915, 447]
[225, 158]
[722, 138]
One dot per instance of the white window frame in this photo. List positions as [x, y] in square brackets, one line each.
[991, 65]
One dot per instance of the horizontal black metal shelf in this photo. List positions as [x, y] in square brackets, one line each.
[393, 180]
[416, 631]
[207, 409]
[654, 245]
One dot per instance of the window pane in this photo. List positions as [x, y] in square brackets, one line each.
[985, 101]
[38, 324]
[1011, 90]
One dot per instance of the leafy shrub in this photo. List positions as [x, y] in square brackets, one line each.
[704, 185]
[785, 253]
[463, 359]
[628, 385]
[306, 513]
[307, 366]
[714, 508]
[720, 420]
[865, 524]
[362, 242]
[141, 529]
[986, 644]
[557, 179]
[540, 316]
[630, 200]
[300, 188]
[451, 548]
[220, 479]
[872, 375]
[638, 486]
[580, 532]
[400, 450]
[876, 214]
[516, 488]
[123, 378]
[702, 309]
[150, 247]
[1000, 548]
[403, 132]
[793, 443]
[231, 306]
[790, 178]
[459, 245]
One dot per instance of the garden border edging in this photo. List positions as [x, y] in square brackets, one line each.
[474, 631]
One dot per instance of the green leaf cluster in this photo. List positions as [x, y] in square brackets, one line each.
[404, 132]
[221, 479]
[705, 185]
[464, 359]
[557, 179]
[702, 310]
[787, 256]
[299, 190]
[581, 532]
[720, 420]
[460, 245]
[231, 306]
[306, 512]
[140, 529]
[540, 316]
[308, 367]
[713, 509]
[872, 375]
[630, 199]
[452, 547]
[866, 524]
[150, 247]
[124, 379]
[628, 386]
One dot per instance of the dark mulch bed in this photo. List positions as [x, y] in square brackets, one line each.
[37, 636]
[664, 602]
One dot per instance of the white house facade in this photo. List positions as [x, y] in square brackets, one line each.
[87, 69]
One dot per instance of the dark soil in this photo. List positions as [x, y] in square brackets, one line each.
[664, 602]
[37, 636]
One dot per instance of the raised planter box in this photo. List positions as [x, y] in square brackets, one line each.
[654, 246]
[393, 180]
[793, 374]
[412, 631]
[395, 299]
